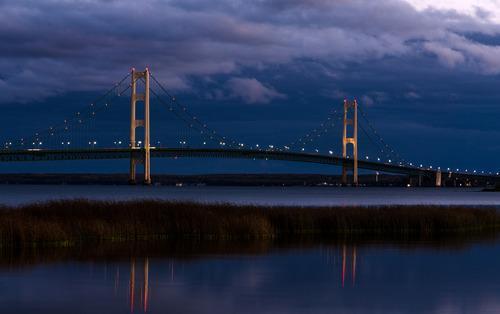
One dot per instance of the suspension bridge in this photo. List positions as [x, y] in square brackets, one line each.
[70, 140]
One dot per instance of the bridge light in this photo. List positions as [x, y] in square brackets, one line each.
[330, 152]
[378, 159]
[317, 151]
[366, 157]
[69, 143]
[390, 161]
[303, 149]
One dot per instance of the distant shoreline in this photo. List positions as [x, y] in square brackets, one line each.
[228, 179]
[67, 223]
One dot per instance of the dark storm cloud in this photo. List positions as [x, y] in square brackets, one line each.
[55, 46]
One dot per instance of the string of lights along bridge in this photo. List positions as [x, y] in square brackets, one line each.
[80, 136]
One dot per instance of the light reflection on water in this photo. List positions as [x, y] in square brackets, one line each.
[138, 293]
[341, 278]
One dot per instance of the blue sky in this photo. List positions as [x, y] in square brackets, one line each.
[426, 72]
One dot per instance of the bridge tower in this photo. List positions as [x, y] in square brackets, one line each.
[350, 118]
[135, 123]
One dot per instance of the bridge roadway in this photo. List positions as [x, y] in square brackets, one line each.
[126, 153]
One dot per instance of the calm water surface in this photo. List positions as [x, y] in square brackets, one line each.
[317, 279]
[19, 194]
[417, 277]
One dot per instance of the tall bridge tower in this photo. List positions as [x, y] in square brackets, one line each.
[135, 123]
[350, 119]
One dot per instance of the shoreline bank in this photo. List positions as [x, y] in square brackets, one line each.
[69, 222]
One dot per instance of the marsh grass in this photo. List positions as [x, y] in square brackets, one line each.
[69, 222]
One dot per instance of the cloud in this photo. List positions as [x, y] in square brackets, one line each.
[446, 55]
[455, 50]
[251, 91]
[55, 46]
[484, 9]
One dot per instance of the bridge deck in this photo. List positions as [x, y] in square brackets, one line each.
[126, 153]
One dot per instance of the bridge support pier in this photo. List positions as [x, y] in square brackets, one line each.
[353, 140]
[420, 178]
[135, 123]
[132, 172]
[438, 179]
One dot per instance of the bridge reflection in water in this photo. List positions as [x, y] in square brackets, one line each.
[344, 258]
[395, 277]
[138, 285]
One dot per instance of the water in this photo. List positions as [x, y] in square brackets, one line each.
[20, 194]
[450, 276]
[320, 278]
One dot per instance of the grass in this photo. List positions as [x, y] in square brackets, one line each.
[66, 223]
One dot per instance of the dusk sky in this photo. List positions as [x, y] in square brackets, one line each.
[426, 72]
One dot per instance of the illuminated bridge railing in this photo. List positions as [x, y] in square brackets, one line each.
[127, 153]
